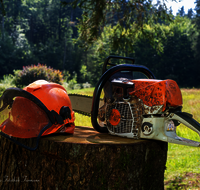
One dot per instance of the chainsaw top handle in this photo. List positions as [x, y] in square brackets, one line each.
[115, 57]
[104, 78]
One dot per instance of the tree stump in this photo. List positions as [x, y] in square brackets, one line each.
[86, 160]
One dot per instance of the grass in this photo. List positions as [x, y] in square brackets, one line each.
[183, 162]
[82, 120]
[84, 91]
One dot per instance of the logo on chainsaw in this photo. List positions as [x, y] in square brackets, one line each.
[171, 126]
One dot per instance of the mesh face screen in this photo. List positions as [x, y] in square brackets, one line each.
[22, 118]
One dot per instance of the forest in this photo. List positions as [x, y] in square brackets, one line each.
[47, 32]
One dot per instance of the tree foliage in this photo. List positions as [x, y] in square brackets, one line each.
[176, 61]
[120, 15]
[46, 32]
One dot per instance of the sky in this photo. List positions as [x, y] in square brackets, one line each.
[176, 6]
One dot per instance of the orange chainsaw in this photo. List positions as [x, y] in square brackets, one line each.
[136, 105]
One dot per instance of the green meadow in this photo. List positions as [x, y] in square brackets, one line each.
[183, 162]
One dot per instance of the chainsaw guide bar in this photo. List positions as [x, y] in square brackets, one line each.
[82, 103]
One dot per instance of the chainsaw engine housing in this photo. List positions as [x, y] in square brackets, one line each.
[133, 101]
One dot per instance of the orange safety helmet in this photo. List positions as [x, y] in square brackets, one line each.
[41, 108]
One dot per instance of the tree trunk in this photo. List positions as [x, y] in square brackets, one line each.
[86, 160]
[2, 29]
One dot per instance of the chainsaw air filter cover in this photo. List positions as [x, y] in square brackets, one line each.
[157, 95]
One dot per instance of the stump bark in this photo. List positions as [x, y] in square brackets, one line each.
[86, 160]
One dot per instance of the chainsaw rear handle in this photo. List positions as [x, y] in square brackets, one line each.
[104, 78]
[115, 57]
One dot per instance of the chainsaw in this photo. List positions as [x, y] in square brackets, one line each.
[136, 104]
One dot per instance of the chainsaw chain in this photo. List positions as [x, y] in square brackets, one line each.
[82, 113]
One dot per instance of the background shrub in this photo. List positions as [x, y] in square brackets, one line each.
[2, 89]
[32, 73]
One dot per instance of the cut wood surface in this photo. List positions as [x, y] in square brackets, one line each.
[89, 135]
[85, 160]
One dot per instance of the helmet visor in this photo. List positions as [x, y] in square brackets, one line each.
[23, 119]
[22, 115]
